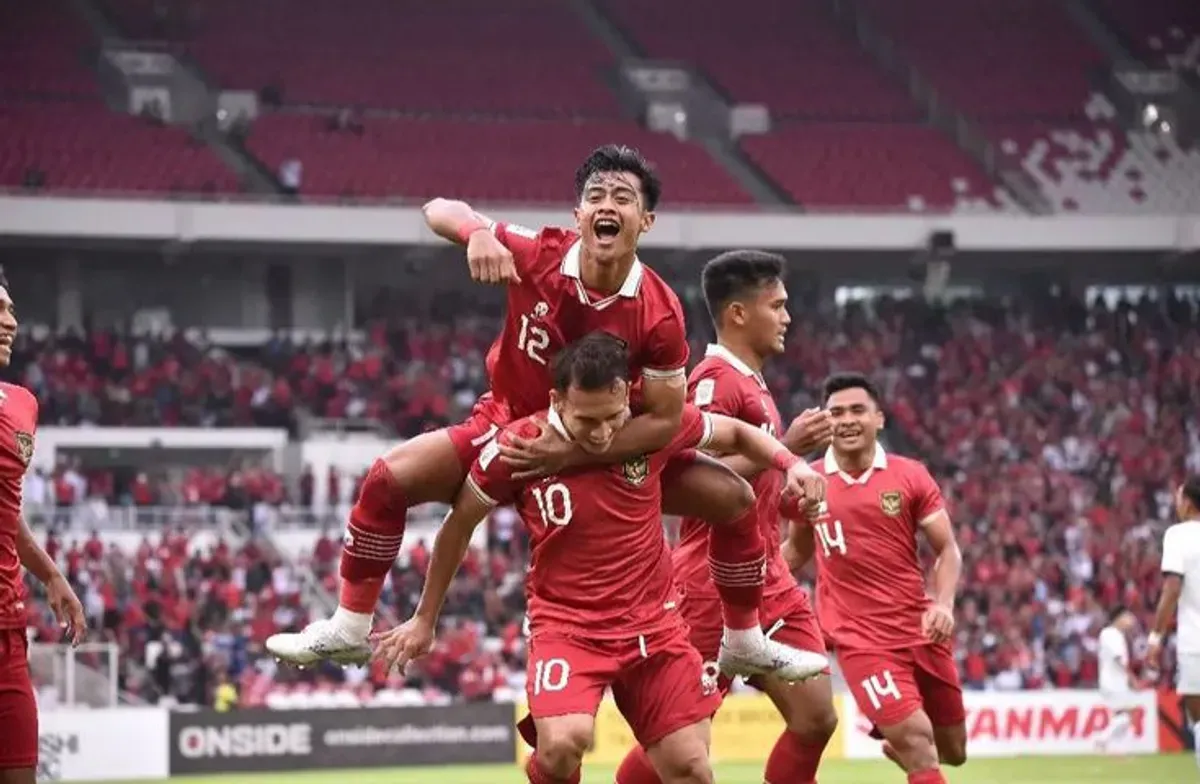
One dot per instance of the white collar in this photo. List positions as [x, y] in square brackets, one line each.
[720, 352]
[556, 422]
[571, 269]
[878, 463]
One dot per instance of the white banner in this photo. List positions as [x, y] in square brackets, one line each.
[1052, 722]
[116, 744]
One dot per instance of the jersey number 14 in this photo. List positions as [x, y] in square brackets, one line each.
[831, 537]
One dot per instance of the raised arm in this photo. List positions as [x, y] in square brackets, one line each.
[496, 252]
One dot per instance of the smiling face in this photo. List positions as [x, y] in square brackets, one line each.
[8, 326]
[593, 417]
[612, 215]
[857, 420]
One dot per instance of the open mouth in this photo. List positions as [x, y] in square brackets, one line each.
[606, 228]
[848, 433]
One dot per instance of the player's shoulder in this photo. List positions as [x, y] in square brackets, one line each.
[553, 241]
[15, 394]
[1184, 534]
[527, 427]
[908, 467]
[657, 294]
[712, 378]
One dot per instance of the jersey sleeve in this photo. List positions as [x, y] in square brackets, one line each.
[715, 392]
[522, 242]
[927, 497]
[695, 431]
[1172, 552]
[491, 478]
[666, 354]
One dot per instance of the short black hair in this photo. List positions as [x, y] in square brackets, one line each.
[619, 158]
[1116, 613]
[596, 361]
[839, 382]
[737, 273]
[1191, 489]
[3, 279]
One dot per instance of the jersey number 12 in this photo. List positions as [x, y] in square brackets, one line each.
[533, 340]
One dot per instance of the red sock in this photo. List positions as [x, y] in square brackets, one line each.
[933, 776]
[372, 540]
[737, 559]
[793, 760]
[537, 775]
[636, 769]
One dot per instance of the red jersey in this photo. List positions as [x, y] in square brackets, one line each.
[723, 384]
[870, 585]
[599, 565]
[551, 307]
[18, 424]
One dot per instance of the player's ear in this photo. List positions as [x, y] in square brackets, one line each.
[578, 218]
[737, 312]
[880, 420]
[647, 221]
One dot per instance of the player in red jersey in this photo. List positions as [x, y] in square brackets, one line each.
[747, 299]
[18, 708]
[561, 284]
[603, 603]
[892, 640]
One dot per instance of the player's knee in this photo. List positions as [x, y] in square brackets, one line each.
[952, 753]
[561, 750]
[814, 725]
[689, 766]
[729, 497]
[914, 746]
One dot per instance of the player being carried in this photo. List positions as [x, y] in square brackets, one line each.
[892, 640]
[18, 707]
[1181, 592]
[603, 602]
[562, 284]
[747, 299]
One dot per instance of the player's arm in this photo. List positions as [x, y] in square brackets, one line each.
[1172, 588]
[449, 549]
[496, 252]
[757, 448]
[799, 546]
[948, 568]
[63, 601]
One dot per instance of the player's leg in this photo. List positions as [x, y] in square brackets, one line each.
[426, 469]
[695, 485]
[937, 679]
[18, 712]
[1187, 684]
[565, 680]
[1120, 722]
[807, 708]
[668, 696]
[885, 690]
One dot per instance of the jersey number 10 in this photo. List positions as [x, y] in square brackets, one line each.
[554, 503]
[533, 340]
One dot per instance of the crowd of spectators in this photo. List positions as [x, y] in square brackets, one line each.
[1056, 428]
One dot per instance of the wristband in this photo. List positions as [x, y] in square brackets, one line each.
[783, 460]
[1154, 638]
[469, 228]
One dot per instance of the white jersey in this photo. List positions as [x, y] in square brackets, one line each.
[1114, 660]
[1181, 556]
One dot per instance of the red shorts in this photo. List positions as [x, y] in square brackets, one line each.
[18, 708]
[786, 616]
[890, 686]
[469, 436]
[659, 682]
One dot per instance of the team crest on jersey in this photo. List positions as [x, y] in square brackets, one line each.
[24, 446]
[636, 470]
[891, 502]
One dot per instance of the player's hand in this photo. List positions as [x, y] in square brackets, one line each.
[489, 261]
[410, 640]
[546, 455]
[810, 431]
[938, 623]
[67, 609]
[804, 483]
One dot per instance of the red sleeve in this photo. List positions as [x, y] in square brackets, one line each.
[695, 431]
[523, 243]
[491, 477]
[927, 497]
[714, 390]
[666, 352]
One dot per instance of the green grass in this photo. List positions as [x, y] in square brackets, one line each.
[1160, 769]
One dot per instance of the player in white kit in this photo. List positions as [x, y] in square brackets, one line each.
[1116, 681]
[1181, 588]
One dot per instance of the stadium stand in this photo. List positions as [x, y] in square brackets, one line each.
[1162, 32]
